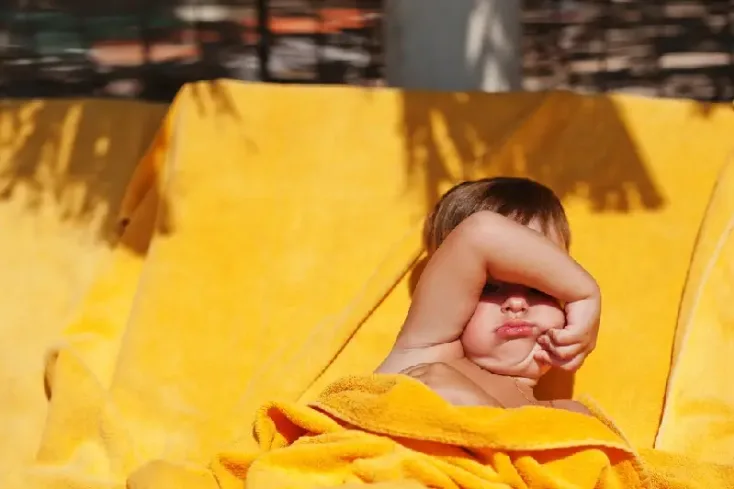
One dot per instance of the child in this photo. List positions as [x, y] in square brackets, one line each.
[500, 300]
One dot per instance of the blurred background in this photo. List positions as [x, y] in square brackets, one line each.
[147, 49]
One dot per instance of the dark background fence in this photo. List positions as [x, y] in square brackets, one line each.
[148, 48]
[674, 48]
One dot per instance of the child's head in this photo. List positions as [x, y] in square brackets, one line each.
[520, 199]
[501, 336]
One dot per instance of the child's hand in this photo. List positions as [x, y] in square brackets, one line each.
[451, 384]
[567, 348]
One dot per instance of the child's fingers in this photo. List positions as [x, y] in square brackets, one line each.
[561, 352]
[543, 356]
[574, 364]
[568, 365]
[566, 336]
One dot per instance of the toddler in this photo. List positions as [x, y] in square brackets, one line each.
[500, 300]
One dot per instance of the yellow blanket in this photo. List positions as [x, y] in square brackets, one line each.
[269, 251]
[393, 429]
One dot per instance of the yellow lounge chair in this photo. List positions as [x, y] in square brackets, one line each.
[270, 239]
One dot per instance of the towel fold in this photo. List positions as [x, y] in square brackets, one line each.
[391, 428]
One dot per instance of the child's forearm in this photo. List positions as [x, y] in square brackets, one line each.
[512, 253]
[486, 246]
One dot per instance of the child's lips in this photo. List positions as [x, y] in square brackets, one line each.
[511, 330]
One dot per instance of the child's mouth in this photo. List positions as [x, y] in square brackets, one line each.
[511, 330]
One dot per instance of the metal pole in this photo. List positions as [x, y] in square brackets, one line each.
[263, 45]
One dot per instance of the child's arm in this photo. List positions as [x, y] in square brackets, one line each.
[485, 246]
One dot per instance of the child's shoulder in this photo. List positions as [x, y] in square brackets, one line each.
[570, 405]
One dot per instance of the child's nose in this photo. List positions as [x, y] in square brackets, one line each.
[515, 304]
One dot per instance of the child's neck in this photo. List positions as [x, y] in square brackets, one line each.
[489, 381]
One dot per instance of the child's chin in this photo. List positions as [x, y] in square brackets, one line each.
[532, 370]
[528, 368]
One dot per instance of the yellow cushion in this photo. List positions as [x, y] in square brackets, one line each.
[64, 166]
[698, 419]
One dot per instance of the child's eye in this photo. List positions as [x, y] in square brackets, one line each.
[538, 293]
[490, 288]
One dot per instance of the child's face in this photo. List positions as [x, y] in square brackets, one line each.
[502, 335]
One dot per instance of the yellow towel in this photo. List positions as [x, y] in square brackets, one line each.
[392, 428]
[272, 232]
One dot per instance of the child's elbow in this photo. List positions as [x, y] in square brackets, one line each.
[482, 227]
